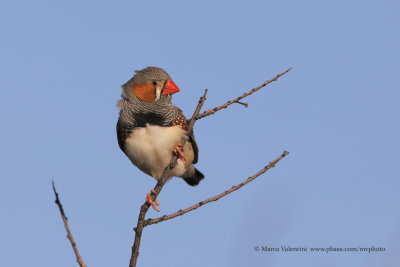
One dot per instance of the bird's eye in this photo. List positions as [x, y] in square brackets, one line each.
[154, 83]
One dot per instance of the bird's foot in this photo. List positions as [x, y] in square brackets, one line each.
[178, 151]
[151, 202]
[155, 200]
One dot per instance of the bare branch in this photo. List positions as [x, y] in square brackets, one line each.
[69, 236]
[157, 189]
[236, 100]
[215, 198]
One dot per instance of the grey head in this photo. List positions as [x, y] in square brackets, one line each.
[149, 85]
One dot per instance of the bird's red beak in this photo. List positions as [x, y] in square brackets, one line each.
[170, 88]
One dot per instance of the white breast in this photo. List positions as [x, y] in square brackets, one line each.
[150, 148]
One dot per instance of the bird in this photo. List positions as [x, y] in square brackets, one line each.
[150, 128]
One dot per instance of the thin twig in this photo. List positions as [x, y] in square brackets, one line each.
[160, 184]
[236, 100]
[242, 103]
[69, 236]
[215, 198]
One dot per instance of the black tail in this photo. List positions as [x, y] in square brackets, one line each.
[195, 178]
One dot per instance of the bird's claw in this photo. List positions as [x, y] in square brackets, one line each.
[178, 151]
[151, 202]
[155, 200]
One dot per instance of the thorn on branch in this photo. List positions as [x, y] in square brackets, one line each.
[244, 104]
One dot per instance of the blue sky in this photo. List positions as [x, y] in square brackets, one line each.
[336, 112]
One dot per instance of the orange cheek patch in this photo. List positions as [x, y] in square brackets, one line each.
[145, 92]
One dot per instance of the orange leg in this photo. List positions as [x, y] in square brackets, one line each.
[178, 151]
[150, 202]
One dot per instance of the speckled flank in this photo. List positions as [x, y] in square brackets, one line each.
[180, 120]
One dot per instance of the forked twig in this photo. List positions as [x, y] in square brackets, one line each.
[166, 174]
